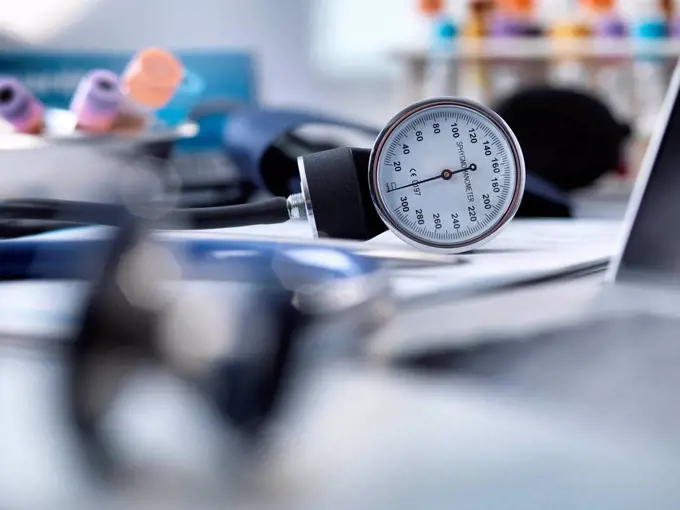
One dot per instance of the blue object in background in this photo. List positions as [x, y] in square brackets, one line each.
[649, 29]
[186, 98]
[444, 28]
[72, 255]
[444, 31]
[645, 30]
[250, 132]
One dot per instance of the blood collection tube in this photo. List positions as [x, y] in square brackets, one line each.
[19, 107]
[651, 73]
[515, 18]
[479, 16]
[604, 20]
[672, 9]
[148, 83]
[152, 77]
[96, 101]
[430, 7]
[610, 26]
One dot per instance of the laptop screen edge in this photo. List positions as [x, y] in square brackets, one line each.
[614, 272]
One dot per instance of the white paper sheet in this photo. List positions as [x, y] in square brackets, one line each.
[527, 249]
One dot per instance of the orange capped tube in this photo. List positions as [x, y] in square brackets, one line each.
[516, 7]
[152, 77]
[599, 6]
[430, 7]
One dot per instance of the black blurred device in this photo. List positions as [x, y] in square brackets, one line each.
[569, 137]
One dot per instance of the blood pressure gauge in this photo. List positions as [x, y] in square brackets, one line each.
[446, 175]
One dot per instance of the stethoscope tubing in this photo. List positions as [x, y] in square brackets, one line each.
[58, 257]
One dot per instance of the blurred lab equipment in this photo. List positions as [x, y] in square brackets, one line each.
[210, 76]
[567, 23]
[566, 65]
[184, 101]
[430, 7]
[515, 18]
[19, 107]
[96, 101]
[474, 78]
[596, 46]
[148, 83]
[102, 101]
[649, 71]
[437, 75]
[605, 20]
[611, 79]
[673, 15]
[478, 22]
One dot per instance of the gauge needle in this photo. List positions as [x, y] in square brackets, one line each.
[446, 175]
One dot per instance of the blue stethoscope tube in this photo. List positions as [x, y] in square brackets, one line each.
[251, 261]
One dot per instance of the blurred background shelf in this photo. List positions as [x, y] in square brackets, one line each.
[622, 72]
[540, 48]
[629, 76]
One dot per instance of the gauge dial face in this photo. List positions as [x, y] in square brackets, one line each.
[446, 174]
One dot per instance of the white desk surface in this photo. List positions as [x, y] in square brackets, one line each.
[355, 438]
[526, 249]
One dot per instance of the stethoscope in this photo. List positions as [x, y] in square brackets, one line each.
[278, 290]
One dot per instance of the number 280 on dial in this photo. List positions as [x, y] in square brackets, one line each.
[446, 175]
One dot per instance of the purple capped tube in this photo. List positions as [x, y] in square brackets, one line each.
[19, 107]
[96, 101]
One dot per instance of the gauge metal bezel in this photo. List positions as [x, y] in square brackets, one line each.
[393, 223]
